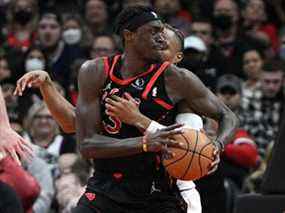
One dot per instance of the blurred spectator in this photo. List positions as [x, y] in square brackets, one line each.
[216, 63]
[5, 71]
[171, 11]
[43, 131]
[65, 162]
[35, 59]
[96, 15]
[252, 67]
[75, 31]
[26, 186]
[71, 186]
[40, 170]
[59, 55]
[22, 20]
[256, 25]
[266, 106]
[197, 60]
[230, 38]
[103, 45]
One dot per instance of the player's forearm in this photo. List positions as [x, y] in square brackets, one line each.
[142, 122]
[4, 120]
[228, 123]
[62, 111]
[100, 146]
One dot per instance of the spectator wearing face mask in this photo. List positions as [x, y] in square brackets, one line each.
[60, 55]
[74, 31]
[22, 20]
[229, 36]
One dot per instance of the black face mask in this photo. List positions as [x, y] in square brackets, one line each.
[223, 22]
[23, 16]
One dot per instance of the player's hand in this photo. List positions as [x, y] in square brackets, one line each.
[214, 165]
[13, 144]
[35, 78]
[163, 138]
[126, 109]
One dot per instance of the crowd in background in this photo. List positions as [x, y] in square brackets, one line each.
[236, 47]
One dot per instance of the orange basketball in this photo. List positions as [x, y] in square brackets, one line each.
[193, 161]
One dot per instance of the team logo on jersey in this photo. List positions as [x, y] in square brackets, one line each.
[154, 92]
[138, 84]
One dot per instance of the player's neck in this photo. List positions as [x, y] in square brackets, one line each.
[133, 64]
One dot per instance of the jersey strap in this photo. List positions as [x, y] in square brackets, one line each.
[154, 78]
[127, 81]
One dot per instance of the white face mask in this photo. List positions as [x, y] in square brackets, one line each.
[72, 36]
[34, 64]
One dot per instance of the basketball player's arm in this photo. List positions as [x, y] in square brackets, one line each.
[88, 121]
[10, 141]
[62, 111]
[204, 102]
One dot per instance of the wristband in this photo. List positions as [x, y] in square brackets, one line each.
[153, 127]
[144, 144]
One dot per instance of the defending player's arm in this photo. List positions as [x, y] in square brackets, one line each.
[11, 142]
[204, 102]
[88, 121]
[62, 111]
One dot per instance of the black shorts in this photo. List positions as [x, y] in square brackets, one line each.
[97, 203]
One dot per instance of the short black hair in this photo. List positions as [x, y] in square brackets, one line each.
[127, 14]
[178, 34]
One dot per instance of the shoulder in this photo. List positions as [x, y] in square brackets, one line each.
[180, 75]
[92, 70]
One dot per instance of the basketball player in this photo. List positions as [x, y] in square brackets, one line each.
[126, 177]
[10, 141]
[60, 107]
[142, 36]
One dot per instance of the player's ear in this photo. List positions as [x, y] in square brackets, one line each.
[128, 35]
[179, 57]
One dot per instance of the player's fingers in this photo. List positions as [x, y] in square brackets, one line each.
[27, 149]
[172, 143]
[212, 170]
[130, 98]
[117, 98]
[171, 132]
[112, 102]
[14, 155]
[167, 154]
[110, 107]
[172, 127]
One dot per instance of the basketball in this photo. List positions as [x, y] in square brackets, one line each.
[193, 161]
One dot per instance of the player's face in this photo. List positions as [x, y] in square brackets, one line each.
[173, 52]
[150, 41]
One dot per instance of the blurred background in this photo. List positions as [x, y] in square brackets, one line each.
[236, 47]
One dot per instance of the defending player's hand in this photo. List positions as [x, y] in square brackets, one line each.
[13, 144]
[126, 109]
[31, 79]
[163, 138]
